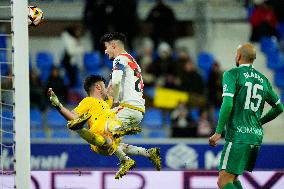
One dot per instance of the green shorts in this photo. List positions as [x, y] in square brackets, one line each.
[238, 157]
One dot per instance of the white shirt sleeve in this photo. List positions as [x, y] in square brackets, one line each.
[117, 74]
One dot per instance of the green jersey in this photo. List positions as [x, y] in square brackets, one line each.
[250, 90]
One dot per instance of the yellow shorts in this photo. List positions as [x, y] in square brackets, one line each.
[108, 151]
[100, 130]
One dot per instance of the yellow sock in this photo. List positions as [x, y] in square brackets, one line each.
[91, 138]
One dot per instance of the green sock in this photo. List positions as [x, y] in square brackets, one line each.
[238, 184]
[229, 186]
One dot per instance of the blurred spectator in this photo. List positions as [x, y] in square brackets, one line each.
[191, 80]
[163, 21]
[247, 3]
[180, 116]
[104, 16]
[215, 88]
[263, 21]
[204, 124]
[182, 58]
[56, 82]
[37, 93]
[171, 81]
[182, 55]
[182, 124]
[278, 7]
[73, 53]
[98, 15]
[125, 19]
[145, 59]
[164, 67]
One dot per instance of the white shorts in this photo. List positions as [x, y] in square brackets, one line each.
[128, 116]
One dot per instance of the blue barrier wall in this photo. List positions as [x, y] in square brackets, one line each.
[174, 156]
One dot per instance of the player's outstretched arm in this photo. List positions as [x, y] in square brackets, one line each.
[272, 113]
[67, 114]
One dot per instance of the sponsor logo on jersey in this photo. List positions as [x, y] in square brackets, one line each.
[250, 130]
[225, 88]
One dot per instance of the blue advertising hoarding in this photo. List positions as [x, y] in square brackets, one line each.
[174, 156]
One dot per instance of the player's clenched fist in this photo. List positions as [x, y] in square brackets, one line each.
[213, 139]
[53, 99]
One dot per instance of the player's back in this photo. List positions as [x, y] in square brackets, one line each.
[252, 90]
[132, 82]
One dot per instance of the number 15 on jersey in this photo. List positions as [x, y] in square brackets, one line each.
[252, 93]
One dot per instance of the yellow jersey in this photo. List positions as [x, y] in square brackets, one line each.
[102, 117]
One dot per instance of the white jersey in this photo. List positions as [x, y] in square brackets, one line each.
[132, 83]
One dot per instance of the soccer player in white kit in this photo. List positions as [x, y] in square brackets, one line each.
[126, 85]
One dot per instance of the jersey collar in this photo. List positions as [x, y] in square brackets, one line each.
[247, 65]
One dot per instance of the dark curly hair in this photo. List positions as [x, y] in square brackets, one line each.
[91, 80]
[113, 36]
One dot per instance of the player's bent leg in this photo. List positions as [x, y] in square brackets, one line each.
[130, 123]
[126, 163]
[225, 180]
[107, 144]
[91, 137]
[229, 186]
[155, 157]
[125, 166]
[77, 124]
[238, 184]
[126, 130]
[117, 130]
[152, 154]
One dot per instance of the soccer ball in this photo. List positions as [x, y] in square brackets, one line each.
[35, 16]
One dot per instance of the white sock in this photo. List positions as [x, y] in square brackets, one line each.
[134, 150]
[120, 154]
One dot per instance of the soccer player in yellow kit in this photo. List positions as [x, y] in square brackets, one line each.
[101, 121]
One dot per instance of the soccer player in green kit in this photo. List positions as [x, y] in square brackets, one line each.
[245, 91]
